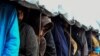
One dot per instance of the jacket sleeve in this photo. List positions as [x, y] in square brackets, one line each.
[74, 44]
[12, 39]
[50, 46]
[31, 42]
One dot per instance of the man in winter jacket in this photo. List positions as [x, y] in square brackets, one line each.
[28, 39]
[9, 32]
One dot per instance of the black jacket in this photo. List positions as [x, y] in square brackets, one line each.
[50, 47]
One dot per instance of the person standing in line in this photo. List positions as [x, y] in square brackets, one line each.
[9, 30]
[29, 40]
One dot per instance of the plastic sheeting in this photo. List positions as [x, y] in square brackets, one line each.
[29, 3]
[67, 15]
[32, 1]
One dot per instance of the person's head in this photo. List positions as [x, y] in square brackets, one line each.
[46, 24]
[20, 10]
[20, 15]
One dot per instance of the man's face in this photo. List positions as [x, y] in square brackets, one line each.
[20, 15]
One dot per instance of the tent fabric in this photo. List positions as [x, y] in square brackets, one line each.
[29, 3]
[68, 19]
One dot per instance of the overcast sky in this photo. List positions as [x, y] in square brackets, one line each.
[88, 9]
[85, 11]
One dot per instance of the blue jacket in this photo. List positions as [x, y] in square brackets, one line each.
[60, 39]
[9, 32]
